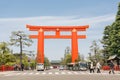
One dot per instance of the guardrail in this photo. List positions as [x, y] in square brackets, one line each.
[6, 68]
[117, 68]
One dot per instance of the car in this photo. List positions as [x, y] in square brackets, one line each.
[40, 67]
[83, 66]
[61, 67]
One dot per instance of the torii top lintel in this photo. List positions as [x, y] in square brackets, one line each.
[57, 29]
[54, 28]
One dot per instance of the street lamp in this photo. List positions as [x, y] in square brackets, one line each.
[20, 38]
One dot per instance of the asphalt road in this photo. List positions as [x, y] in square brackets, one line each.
[57, 75]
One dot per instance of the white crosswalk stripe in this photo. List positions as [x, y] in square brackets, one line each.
[76, 73]
[50, 73]
[56, 73]
[24, 73]
[44, 73]
[17, 74]
[63, 73]
[8, 75]
[37, 73]
[69, 72]
[30, 73]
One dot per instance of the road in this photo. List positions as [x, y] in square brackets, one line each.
[55, 74]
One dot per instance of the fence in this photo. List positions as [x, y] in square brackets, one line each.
[6, 68]
[117, 68]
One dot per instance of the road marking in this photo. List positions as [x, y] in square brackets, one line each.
[63, 73]
[8, 75]
[83, 73]
[17, 74]
[37, 73]
[50, 73]
[44, 73]
[69, 72]
[30, 73]
[24, 73]
[76, 73]
[57, 73]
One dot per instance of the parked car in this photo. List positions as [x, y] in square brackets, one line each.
[40, 67]
[82, 66]
[61, 67]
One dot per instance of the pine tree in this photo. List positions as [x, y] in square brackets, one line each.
[118, 13]
[111, 38]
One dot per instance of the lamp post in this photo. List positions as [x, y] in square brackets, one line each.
[20, 38]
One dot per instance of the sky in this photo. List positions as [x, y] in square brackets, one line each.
[16, 14]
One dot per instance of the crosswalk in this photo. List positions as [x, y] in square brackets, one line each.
[52, 73]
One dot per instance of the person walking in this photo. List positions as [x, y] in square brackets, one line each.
[91, 67]
[22, 66]
[111, 65]
[98, 66]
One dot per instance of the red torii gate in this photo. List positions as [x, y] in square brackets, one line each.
[40, 36]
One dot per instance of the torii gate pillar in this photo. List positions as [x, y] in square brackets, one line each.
[40, 52]
[74, 45]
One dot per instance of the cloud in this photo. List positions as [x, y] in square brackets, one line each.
[58, 20]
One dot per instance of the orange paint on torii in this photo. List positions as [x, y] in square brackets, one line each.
[40, 36]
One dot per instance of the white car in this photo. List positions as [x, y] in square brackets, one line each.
[40, 67]
[61, 67]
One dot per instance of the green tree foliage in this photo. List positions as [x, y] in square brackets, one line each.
[33, 64]
[66, 59]
[6, 58]
[46, 62]
[111, 38]
[28, 63]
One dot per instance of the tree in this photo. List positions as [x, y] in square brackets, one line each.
[66, 59]
[46, 62]
[81, 57]
[94, 48]
[97, 52]
[111, 38]
[4, 48]
[67, 51]
[5, 56]
[19, 38]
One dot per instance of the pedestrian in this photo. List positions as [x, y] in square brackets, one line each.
[22, 66]
[91, 67]
[111, 65]
[19, 67]
[98, 66]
